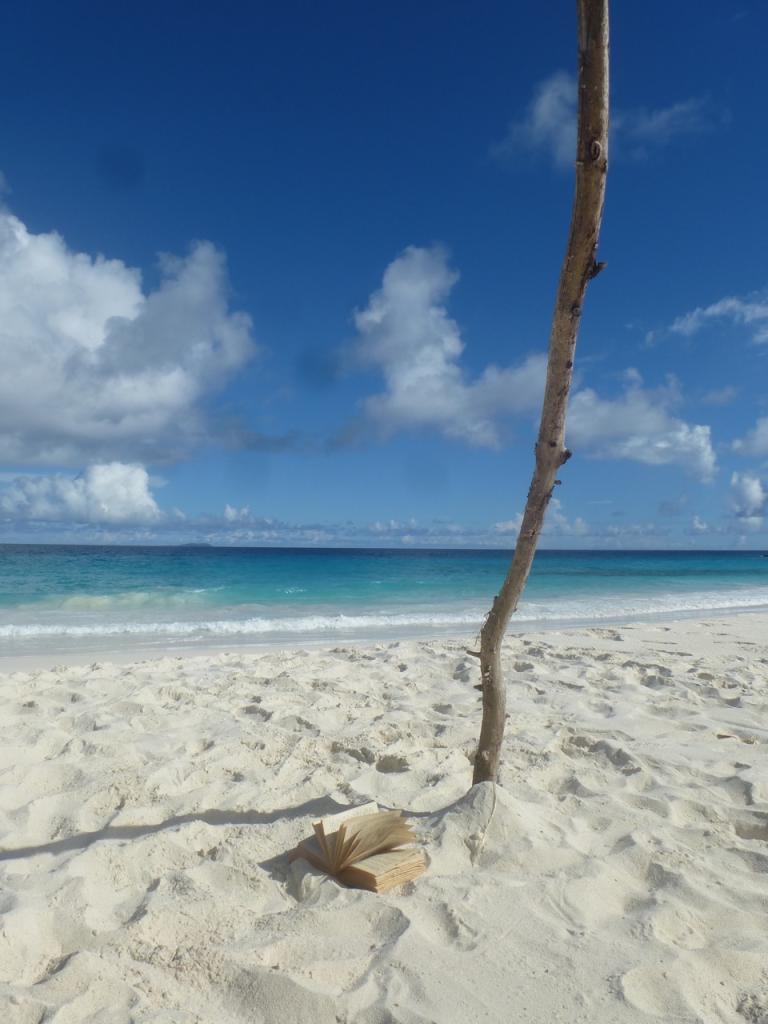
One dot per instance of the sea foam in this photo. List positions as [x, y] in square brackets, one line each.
[375, 622]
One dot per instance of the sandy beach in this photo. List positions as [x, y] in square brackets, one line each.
[619, 872]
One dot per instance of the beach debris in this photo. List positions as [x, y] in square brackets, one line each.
[363, 849]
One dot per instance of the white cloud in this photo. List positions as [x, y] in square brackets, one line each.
[648, 536]
[749, 497]
[405, 332]
[510, 525]
[136, 522]
[720, 396]
[91, 367]
[556, 523]
[394, 526]
[756, 440]
[640, 426]
[752, 312]
[645, 128]
[237, 515]
[549, 124]
[108, 493]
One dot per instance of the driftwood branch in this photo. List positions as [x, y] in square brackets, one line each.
[579, 267]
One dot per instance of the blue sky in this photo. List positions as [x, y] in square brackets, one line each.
[285, 275]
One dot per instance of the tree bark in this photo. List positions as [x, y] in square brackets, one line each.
[579, 267]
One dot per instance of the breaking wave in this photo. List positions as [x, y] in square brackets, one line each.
[369, 624]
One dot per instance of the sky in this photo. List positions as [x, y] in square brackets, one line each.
[284, 274]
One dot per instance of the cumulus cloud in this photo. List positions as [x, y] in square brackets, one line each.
[549, 123]
[92, 367]
[639, 425]
[749, 497]
[406, 333]
[756, 440]
[108, 493]
[751, 312]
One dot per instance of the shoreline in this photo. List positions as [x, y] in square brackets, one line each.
[130, 652]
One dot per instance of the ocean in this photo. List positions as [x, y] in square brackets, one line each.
[66, 598]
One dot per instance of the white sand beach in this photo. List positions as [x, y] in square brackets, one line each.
[619, 872]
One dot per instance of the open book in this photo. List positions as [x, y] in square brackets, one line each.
[362, 848]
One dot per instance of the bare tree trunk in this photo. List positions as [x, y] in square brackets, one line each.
[578, 268]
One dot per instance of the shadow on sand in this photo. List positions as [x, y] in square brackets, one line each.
[319, 807]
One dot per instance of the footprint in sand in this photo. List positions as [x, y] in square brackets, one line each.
[578, 745]
[654, 682]
[650, 990]
[678, 927]
[755, 861]
[607, 634]
[755, 827]
[753, 1008]
[362, 754]
[259, 712]
[391, 763]
[444, 924]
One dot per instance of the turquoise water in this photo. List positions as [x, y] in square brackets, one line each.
[59, 598]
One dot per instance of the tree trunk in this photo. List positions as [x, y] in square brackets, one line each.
[578, 268]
